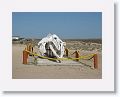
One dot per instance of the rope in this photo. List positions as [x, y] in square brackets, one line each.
[81, 57]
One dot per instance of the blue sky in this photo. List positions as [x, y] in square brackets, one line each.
[67, 25]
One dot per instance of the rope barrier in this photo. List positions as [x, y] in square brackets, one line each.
[68, 51]
[81, 57]
[29, 52]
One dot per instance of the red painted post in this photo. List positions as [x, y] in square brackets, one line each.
[96, 61]
[25, 56]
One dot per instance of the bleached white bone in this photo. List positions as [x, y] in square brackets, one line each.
[55, 44]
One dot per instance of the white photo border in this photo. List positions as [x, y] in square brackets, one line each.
[104, 84]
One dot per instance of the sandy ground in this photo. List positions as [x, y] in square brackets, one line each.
[46, 70]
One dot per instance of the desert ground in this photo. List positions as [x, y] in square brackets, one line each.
[47, 69]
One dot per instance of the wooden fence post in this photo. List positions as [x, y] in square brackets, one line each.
[96, 61]
[29, 47]
[77, 55]
[66, 51]
[25, 56]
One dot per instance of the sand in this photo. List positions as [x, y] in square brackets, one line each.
[47, 69]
